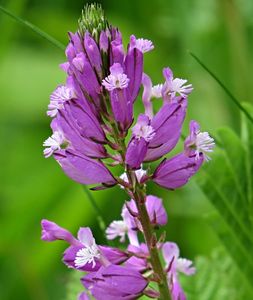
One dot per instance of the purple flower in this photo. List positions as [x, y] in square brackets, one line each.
[198, 143]
[82, 72]
[103, 42]
[53, 143]
[156, 210]
[116, 282]
[83, 254]
[75, 256]
[141, 250]
[93, 52]
[150, 92]
[61, 94]
[146, 95]
[134, 68]
[116, 83]
[117, 79]
[174, 265]
[73, 136]
[136, 151]
[139, 260]
[156, 91]
[83, 169]
[90, 251]
[117, 51]
[174, 262]
[137, 148]
[113, 255]
[52, 232]
[76, 42]
[167, 124]
[75, 130]
[141, 44]
[80, 116]
[117, 229]
[175, 172]
[143, 130]
[174, 87]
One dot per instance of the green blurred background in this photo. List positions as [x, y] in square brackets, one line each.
[218, 31]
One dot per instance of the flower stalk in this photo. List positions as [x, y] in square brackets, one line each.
[148, 232]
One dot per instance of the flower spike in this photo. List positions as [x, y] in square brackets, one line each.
[95, 131]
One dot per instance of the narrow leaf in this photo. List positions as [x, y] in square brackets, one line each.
[222, 85]
[34, 28]
[247, 139]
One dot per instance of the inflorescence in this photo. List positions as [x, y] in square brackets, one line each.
[92, 114]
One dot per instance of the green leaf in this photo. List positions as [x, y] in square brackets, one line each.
[217, 278]
[226, 181]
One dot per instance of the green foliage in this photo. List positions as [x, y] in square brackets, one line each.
[227, 182]
[217, 278]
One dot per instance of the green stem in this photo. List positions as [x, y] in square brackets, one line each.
[149, 235]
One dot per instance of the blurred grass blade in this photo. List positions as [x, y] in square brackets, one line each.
[34, 28]
[227, 184]
[93, 203]
[232, 97]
